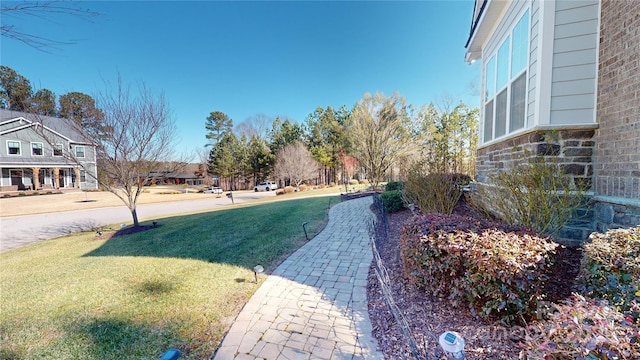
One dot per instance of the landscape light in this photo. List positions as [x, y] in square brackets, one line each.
[258, 269]
[453, 344]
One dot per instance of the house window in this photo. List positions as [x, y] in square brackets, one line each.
[506, 84]
[36, 149]
[13, 148]
[57, 150]
[80, 151]
[83, 176]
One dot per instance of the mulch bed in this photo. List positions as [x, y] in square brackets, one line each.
[429, 316]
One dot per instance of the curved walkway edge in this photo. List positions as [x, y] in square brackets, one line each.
[314, 305]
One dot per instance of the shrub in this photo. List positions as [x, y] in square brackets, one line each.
[432, 193]
[364, 182]
[302, 187]
[496, 269]
[392, 201]
[353, 182]
[289, 189]
[610, 267]
[536, 195]
[394, 185]
[583, 328]
[322, 186]
[280, 192]
[332, 184]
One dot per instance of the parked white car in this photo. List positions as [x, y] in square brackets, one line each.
[265, 186]
[213, 190]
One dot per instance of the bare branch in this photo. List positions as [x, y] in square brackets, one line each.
[43, 10]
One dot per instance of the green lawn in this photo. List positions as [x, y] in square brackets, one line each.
[179, 285]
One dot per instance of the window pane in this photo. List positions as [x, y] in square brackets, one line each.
[519, 45]
[57, 150]
[14, 147]
[80, 151]
[517, 109]
[501, 113]
[488, 121]
[490, 81]
[503, 65]
[36, 149]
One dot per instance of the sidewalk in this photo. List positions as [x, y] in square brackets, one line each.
[314, 305]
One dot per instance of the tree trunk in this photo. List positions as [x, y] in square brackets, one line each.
[134, 214]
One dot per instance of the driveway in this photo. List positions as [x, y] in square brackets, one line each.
[16, 231]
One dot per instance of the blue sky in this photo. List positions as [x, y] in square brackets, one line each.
[244, 58]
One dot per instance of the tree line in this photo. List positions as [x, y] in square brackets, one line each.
[16, 93]
[380, 138]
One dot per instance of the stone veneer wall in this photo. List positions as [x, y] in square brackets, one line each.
[617, 152]
[571, 148]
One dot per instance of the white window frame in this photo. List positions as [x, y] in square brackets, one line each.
[57, 147]
[491, 95]
[33, 148]
[84, 154]
[83, 176]
[19, 147]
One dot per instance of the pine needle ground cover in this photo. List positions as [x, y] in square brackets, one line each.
[178, 285]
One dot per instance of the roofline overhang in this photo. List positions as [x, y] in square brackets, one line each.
[482, 27]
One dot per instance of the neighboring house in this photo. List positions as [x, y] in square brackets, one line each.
[42, 152]
[188, 177]
[561, 79]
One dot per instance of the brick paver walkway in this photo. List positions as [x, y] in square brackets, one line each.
[314, 305]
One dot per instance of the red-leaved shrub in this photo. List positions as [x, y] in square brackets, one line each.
[497, 269]
[583, 328]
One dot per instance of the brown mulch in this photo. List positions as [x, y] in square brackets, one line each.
[429, 316]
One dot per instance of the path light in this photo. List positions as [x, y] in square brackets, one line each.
[122, 226]
[304, 227]
[258, 269]
[453, 344]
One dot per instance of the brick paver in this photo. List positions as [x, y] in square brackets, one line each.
[314, 305]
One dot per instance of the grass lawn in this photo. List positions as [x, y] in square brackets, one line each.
[179, 285]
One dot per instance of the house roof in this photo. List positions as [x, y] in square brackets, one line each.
[486, 14]
[61, 126]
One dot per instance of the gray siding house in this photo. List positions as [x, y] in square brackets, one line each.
[41, 152]
[561, 79]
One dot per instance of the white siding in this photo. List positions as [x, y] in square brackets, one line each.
[533, 62]
[573, 88]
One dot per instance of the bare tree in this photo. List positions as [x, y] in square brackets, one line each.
[256, 125]
[139, 143]
[382, 132]
[135, 148]
[295, 163]
[37, 9]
